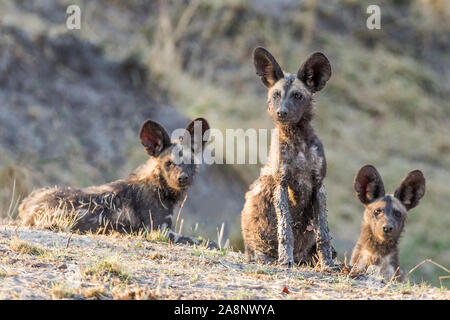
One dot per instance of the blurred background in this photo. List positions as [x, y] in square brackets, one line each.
[72, 101]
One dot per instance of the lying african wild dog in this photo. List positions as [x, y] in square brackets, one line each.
[284, 215]
[146, 199]
[384, 219]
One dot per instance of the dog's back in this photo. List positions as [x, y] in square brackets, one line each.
[146, 199]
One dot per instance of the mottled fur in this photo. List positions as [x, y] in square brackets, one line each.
[278, 215]
[146, 199]
[376, 251]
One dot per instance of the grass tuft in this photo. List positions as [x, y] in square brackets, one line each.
[95, 292]
[157, 236]
[24, 247]
[60, 291]
[107, 269]
[134, 294]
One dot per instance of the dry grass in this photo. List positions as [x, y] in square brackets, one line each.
[3, 273]
[107, 268]
[157, 256]
[62, 218]
[134, 294]
[156, 270]
[24, 247]
[441, 278]
[60, 291]
[97, 292]
[14, 185]
[157, 235]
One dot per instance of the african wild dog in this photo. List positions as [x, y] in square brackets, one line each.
[284, 213]
[384, 218]
[145, 200]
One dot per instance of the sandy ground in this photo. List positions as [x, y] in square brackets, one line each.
[39, 264]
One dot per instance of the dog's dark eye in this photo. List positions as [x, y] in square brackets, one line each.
[397, 213]
[377, 212]
[276, 95]
[169, 163]
[298, 95]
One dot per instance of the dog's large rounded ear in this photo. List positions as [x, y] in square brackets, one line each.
[411, 189]
[315, 72]
[154, 138]
[368, 184]
[198, 132]
[266, 67]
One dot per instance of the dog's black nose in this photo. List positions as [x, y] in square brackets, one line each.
[282, 113]
[183, 178]
[387, 229]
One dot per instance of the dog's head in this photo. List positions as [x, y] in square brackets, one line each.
[385, 215]
[290, 96]
[175, 159]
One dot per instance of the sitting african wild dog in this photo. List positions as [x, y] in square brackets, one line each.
[376, 251]
[284, 215]
[145, 200]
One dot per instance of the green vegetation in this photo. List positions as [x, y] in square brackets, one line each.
[157, 235]
[107, 268]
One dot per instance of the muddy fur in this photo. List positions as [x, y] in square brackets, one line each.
[376, 251]
[146, 199]
[278, 215]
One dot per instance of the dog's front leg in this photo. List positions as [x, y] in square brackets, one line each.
[323, 238]
[284, 228]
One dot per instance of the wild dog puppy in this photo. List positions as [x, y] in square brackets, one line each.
[384, 219]
[146, 199]
[284, 216]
